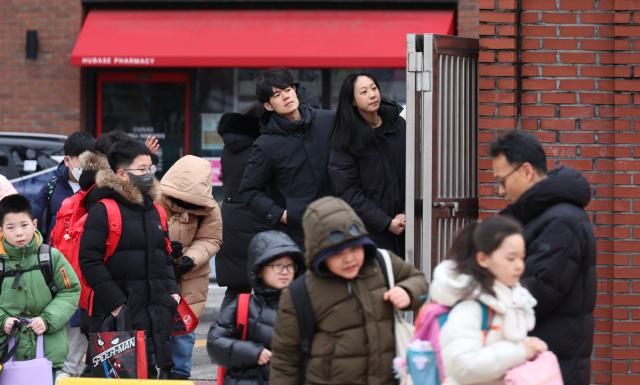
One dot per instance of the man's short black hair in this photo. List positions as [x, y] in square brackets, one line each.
[519, 147]
[123, 152]
[277, 77]
[79, 142]
[105, 141]
[13, 204]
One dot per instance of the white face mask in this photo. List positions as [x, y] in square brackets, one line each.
[76, 172]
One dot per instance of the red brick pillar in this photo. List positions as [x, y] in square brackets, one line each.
[580, 62]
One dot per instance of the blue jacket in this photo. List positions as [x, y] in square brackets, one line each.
[61, 191]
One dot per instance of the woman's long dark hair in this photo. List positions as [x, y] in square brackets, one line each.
[485, 236]
[350, 131]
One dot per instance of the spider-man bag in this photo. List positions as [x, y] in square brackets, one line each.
[118, 354]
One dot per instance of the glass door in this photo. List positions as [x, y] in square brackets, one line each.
[144, 104]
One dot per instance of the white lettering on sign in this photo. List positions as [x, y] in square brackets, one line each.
[129, 60]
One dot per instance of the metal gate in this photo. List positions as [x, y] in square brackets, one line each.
[442, 144]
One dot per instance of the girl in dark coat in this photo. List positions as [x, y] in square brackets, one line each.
[274, 260]
[367, 162]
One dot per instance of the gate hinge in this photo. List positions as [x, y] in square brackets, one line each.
[423, 81]
[414, 62]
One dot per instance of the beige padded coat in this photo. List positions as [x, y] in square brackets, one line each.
[199, 229]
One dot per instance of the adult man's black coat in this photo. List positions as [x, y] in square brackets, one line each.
[139, 274]
[239, 223]
[373, 183]
[290, 158]
[560, 267]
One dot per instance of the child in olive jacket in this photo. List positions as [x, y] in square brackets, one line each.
[27, 295]
[352, 306]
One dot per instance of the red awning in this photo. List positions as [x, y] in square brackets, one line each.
[246, 38]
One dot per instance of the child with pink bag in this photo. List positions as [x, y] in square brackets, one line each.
[484, 268]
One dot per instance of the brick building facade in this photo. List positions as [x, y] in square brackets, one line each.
[579, 95]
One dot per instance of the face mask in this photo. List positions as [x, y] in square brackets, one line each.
[76, 172]
[142, 182]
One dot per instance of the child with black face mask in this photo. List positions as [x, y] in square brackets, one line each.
[138, 274]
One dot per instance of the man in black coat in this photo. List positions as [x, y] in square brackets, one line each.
[289, 157]
[139, 277]
[560, 268]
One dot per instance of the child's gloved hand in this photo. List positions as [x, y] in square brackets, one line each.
[185, 265]
[265, 357]
[398, 297]
[176, 249]
[38, 326]
[8, 324]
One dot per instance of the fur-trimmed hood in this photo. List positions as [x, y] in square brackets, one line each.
[106, 178]
[93, 161]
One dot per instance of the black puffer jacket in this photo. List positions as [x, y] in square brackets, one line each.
[561, 267]
[290, 157]
[224, 342]
[139, 274]
[240, 224]
[373, 183]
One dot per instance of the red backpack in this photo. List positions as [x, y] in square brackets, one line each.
[242, 320]
[69, 227]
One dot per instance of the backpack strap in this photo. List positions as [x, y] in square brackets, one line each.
[46, 266]
[46, 213]
[384, 259]
[163, 222]
[114, 219]
[242, 317]
[487, 318]
[306, 320]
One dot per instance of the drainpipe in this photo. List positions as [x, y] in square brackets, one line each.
[518, 64]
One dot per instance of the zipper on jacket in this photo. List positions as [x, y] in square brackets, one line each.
[349, 289]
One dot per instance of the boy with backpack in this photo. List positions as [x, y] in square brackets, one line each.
[241, 338]
[336, 323]
[37, 284]
[63, 184]
[138, 273]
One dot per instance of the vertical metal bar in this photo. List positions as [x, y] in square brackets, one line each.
[427, 150]
[474, 126]
[457, 168]
[441, 107]
[411, 164]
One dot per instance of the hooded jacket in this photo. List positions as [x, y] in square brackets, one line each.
[224, 342]
[467, 355]
[241, 224]
[290, 158]
[32, 298]
[199, 230]
[6, 188]
[560, 267]
[61, 191]
[139, 274]
[373, 182]
[354, 341]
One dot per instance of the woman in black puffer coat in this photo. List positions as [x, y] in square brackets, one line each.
[224, 343]
[367, 162]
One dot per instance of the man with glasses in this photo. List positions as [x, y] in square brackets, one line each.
[560, 262]
[138, 281]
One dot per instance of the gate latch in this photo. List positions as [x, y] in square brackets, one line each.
[452, 206]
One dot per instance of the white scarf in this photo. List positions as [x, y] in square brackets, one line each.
[516, 307]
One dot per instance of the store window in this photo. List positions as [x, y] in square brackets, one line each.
[221, 90]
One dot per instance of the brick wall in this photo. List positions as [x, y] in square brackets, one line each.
[41, 95]
[580, 98]
[467, 18]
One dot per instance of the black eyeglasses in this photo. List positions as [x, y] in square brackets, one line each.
[338, 236]
[150, 170]
[280, 268]
[502, 180]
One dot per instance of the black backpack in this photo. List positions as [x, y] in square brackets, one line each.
[44, 265]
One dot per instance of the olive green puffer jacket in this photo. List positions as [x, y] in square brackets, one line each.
[354, 341]
[32, 298]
